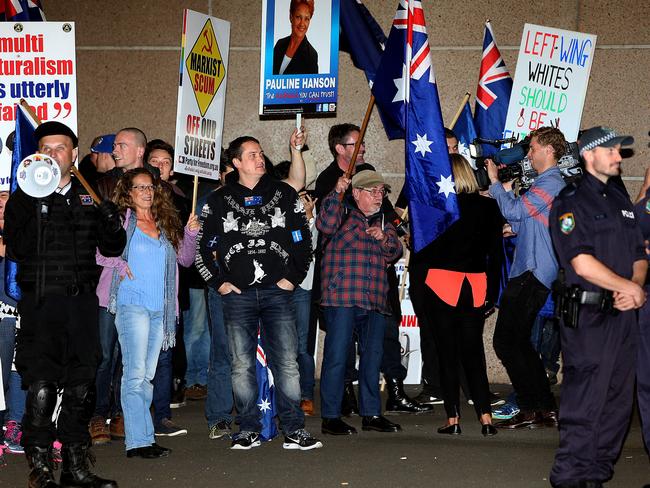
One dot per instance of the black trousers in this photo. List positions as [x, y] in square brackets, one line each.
[458, 332]
[58, 343]
[521, 301]
[391, 361]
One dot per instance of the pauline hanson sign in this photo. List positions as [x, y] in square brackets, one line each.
[299, 57]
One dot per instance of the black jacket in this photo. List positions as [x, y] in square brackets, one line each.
[304, 61]
[257, 236]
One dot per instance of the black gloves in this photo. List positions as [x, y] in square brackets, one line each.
[110, 216]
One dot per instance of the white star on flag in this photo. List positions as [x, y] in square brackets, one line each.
[400, 83]
[422, 144]
[446, 185]
[265, 405]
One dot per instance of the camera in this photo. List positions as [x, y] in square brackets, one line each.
[518, 166]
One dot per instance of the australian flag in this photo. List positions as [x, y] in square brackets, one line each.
[363, 38]
[265, 394]
[492, 93]
[405, 87]
[465, 132]
[24, 145]
[21, 10]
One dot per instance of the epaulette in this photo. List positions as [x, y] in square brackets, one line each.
[569, 190]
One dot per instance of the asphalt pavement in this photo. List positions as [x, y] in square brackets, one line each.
[415, 457]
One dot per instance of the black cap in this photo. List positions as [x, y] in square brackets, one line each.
[602, 136]
[55, 129]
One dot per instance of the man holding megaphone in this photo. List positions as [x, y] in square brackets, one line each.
[54, 239]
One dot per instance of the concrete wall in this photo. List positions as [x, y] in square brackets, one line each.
[128, 56]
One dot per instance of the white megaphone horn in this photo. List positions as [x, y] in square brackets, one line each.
[38, 175]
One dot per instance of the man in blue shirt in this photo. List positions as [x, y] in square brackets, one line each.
[533, 270]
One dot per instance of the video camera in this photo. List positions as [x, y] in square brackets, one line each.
[518, 166]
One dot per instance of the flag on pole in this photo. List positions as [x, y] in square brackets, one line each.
[24, 145]
[21, 10]
[492, 93]
[465, 132]
[405, 86]
[362, 37]
[265, 393]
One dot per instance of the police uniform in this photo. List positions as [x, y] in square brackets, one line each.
[595, 218]
[642, 212]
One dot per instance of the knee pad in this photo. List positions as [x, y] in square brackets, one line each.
[41, 402]
[81, 399]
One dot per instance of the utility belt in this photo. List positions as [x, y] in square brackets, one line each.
[68, 290]
[569, 299]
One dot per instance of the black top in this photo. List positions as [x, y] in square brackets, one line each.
[472, 244]
[596, 218]
[304, 61]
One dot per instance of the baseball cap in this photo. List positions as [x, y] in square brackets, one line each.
[602, 136]
[368, 179]
[104, 144]
[54, 128]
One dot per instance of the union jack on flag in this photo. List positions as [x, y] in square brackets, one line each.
[492, 93]
[405, 87]
[21, 10]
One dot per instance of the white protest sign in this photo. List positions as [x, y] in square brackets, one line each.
[37, 63]
[409, 334]
[551, 81]
[201, 94]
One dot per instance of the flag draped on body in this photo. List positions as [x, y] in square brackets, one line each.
[405, 88]
[21, 10]
[492, 93]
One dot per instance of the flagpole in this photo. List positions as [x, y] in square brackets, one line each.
[459, 111]
[73, 169]
[362, 133]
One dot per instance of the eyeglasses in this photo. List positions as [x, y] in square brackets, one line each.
[376, 192]
[143, 188]
[363, 143]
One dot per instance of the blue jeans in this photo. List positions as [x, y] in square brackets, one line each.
[218, 405]
[197, 339]
[272, 310]
[16, 398]
[302, 301]
[105, 372]
[140, 333]
[341, 322]
[12, 395]
[162, 388]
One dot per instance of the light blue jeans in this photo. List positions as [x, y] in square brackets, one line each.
[196, 335]
[140, 332]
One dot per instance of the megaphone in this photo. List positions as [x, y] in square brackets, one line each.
[38, 175]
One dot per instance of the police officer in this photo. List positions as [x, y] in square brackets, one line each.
[54, 240]
[600, 249]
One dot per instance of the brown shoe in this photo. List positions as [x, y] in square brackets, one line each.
[99, 431]
[307, 407]
[550, 418]
[196, 392]
[530, 420]
[116, 427]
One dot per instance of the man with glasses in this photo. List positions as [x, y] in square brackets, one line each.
[362, 243]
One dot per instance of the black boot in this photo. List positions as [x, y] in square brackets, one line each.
[399, 402]
[349, 406]
[41, 474]
[75, 472]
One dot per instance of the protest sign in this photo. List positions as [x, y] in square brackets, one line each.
[409, 334]
[299, 58]
[37, 63]
[201, 94]
[551, 81]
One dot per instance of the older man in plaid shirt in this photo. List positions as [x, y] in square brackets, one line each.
[358, 246]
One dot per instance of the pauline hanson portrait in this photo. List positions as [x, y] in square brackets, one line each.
[294, 54]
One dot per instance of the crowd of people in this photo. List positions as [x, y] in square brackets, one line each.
[134, 304]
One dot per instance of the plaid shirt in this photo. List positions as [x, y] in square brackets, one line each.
[354, 263]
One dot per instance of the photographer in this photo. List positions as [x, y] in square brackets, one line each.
[533, 270]
[600, 248]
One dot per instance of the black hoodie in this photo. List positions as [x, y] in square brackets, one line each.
[253, 238]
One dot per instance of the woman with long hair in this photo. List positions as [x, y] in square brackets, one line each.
[141, 289]
[456, 294]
